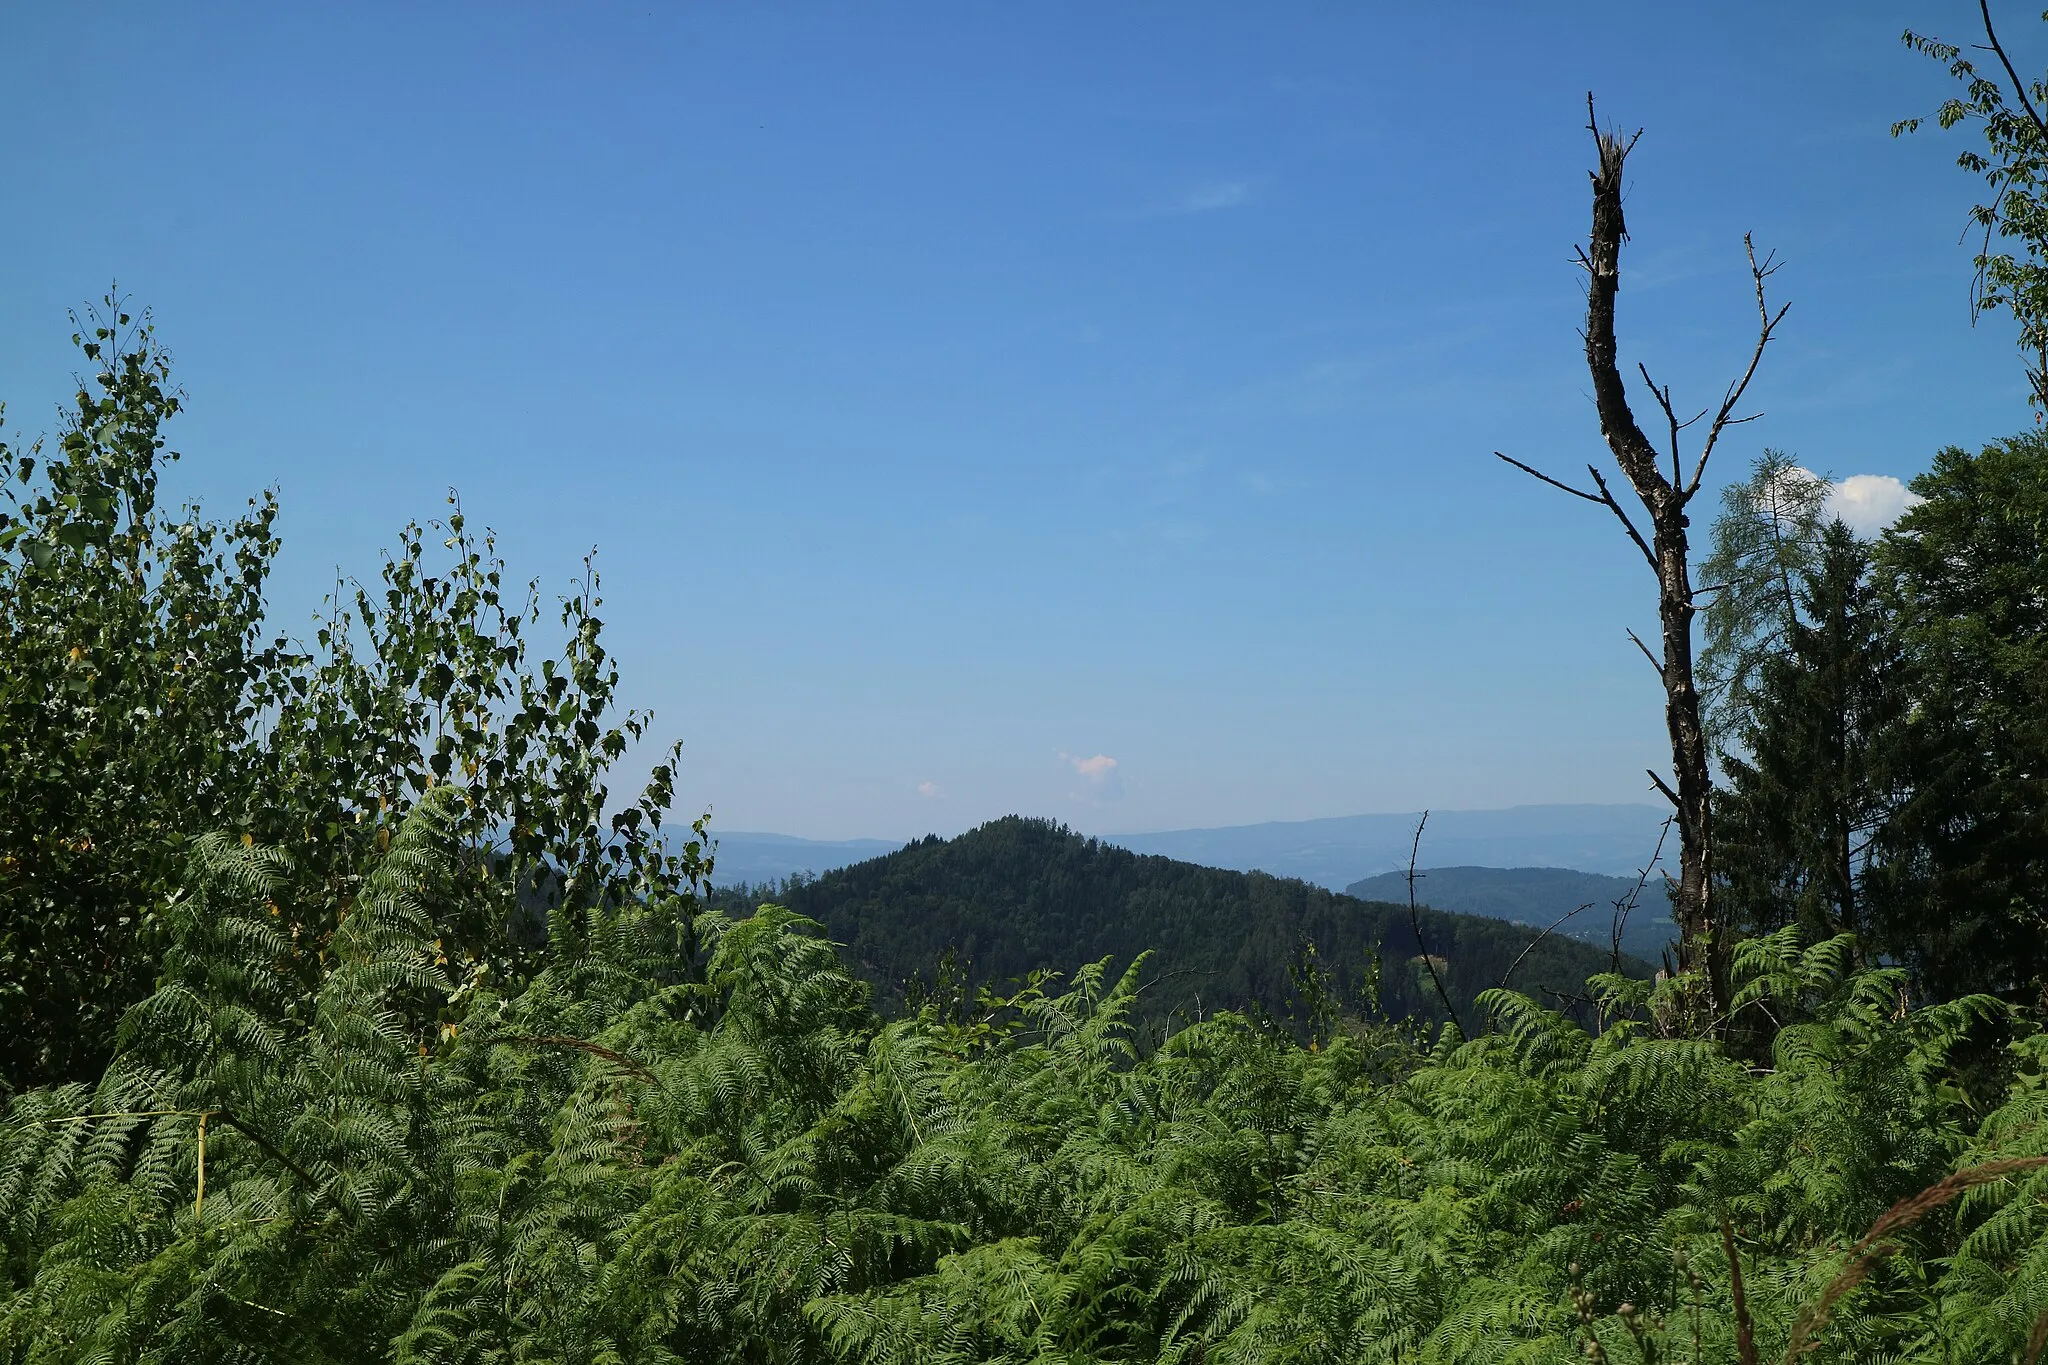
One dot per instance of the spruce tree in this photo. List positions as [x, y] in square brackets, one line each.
[1801, 807]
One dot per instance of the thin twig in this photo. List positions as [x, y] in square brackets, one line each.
[1415, 924]
[2019, 87]
[1646, 653]
[1554, 483]
[1663, 397]
[1769, 324]
[1626, 905]
[1536, 940]
[1605, 498]
[1168, 976]
[121, 1114]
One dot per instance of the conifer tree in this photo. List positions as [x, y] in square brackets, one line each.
[1963, 887]
[1766, 548]
[1805, 800]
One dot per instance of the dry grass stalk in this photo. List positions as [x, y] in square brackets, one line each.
[1873, 1248]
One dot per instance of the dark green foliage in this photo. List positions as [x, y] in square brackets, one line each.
[1019, 895]
[133, 668]
[1808, 796]
[609, 1165]
[1963, 880]
[1538, 897]
[1890, 773]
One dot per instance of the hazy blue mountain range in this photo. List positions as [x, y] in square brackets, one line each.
[1537, 897]
[1331, 853]
[1334, 853]
[756, 858]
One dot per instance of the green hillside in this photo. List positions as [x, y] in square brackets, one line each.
[1539, 897]
[1018, 894]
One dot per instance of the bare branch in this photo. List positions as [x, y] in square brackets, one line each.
[1665, 787]
[1506, 975]
[1627, 904]
[1646, 653]
[2019, 87]
[1415, 925]
[1663, 397]
[1768, 323]
[1169, 976]
[1592, 126]
[1606, 496]
[1554, 483]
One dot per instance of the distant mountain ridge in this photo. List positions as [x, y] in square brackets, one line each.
[1609, 839]
[1018, 894]
[753, 858]
[1614, 840]
[1537, 897]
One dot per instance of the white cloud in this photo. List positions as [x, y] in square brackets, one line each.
[1868, 503]
[929, 791]
[1100, 779]
[1865, 503]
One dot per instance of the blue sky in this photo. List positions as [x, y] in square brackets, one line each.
[962, 396]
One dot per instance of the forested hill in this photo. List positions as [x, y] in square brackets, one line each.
[1018, 894]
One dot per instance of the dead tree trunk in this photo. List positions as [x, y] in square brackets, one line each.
[1702, 944]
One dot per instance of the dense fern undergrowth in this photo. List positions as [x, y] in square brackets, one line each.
[741, 1161]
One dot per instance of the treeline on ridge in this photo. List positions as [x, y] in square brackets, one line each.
[1020, 895]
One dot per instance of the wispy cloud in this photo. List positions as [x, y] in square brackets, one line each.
[1209, 196]
[930, 791]
[1214, 195]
